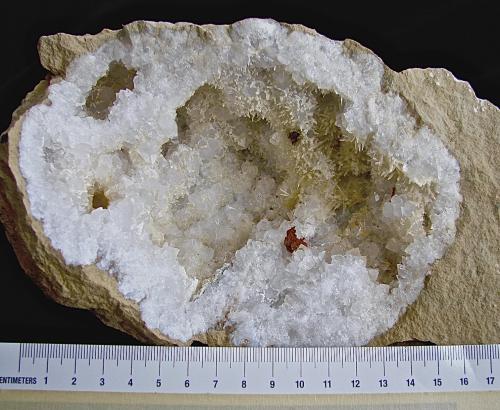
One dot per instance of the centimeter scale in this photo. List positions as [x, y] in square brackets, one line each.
[225, 370]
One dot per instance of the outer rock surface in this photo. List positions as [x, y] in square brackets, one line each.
[460, 301]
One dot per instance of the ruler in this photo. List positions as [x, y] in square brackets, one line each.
[234, 370]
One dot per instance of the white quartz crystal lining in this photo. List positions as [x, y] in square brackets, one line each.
[269, 296]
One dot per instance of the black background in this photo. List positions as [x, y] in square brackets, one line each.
[460, 36]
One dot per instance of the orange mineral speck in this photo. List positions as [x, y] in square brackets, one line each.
[291, 241]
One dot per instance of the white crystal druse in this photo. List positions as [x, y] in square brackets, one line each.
[254, 178]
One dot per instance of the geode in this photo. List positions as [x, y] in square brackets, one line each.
[252, 184]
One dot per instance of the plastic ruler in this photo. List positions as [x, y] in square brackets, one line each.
[229, 370]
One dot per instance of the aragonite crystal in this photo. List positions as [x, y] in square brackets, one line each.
[253, 184]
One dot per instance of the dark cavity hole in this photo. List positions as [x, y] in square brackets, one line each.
[103, 94]
[99, 198]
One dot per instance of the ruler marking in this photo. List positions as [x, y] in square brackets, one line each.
[383, 362]
[328, 361]
[300, 363]
[272, 365]
[491, 361]
[159, 364]
[463, 352]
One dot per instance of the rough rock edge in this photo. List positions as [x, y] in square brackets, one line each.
[459, 303]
